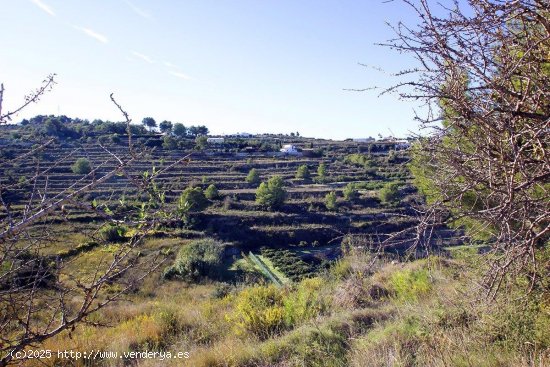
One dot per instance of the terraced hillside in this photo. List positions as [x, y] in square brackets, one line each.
[304, 225]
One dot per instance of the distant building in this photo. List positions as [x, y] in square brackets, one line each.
[215, 140]
[364, 140]
[289, 149]
[244, 135]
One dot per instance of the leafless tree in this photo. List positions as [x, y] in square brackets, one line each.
[483, 73]
[41, 294]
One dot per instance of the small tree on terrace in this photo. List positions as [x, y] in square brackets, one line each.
[389, 193]
[330, 201]
[271, 194]
[192, 199]
[303, 172]
[350, 192]
[321, 172]
[81, 166]
[253, 177]
[212, 192]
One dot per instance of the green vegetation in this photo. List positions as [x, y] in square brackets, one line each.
[389, 194]
[408, 284]
[271, 194]
[81, 166]
[288, 263]
[330, 201]
[200, 142]
[334, 301]
[321, 172]
[357, 159]
[192, 199]
[303, 172]
[350, 192]
[196, 260]
[179, 130]
[212, 192]
[266, 311]
[253, 177]
[149, 123]
[113, 233]
[165, 127]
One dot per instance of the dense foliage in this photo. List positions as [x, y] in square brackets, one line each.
[196, 260]
[271, 193]
[192, 199]
[81, 166]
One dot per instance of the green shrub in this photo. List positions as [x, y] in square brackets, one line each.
[330, 201]
[321, 172]
[357, 159]
[253, 177]
[350, 192]
[192, 199]
[201, 142]
[304, 302]
[81, 166]
[265, 311]
[113, 233]
[259, 311]
[169, 143]
[199, 259]
[271, 193]
[303, 172]
[408, 284]
[389, 193]
[211, 192]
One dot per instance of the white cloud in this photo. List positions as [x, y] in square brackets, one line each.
[44, 7]
[180, 75]
[143, 57]
[169, 64]
[137, 10]
[91, 33]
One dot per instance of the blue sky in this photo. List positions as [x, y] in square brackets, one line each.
[241, 65]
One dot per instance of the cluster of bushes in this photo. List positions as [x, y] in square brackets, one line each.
[266, 311]
[197, 260]
[360, 160]
[194, 199]
[289, 263]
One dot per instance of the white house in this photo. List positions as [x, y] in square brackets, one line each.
[289, 149]
[215, 140]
